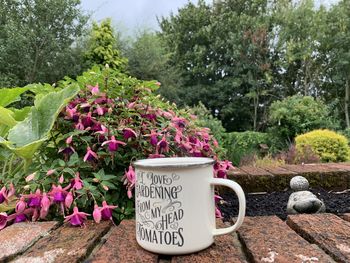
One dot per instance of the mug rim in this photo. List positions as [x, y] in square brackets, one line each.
[174, 162]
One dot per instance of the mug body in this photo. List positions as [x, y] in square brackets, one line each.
[174, 202]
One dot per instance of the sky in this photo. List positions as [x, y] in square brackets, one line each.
[133, 14]
[129, 15]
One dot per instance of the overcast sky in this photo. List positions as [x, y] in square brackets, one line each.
[133, 14]
[129, 15]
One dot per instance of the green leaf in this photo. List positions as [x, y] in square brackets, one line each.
[27, 136]
[7, 96]
[7, 117]
[20, 114]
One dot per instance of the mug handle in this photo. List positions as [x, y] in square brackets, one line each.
[241, 200]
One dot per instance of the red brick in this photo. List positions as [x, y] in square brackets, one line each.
[269, 239]
[346, 217]
[226, 248]
[121, 246]
[328, 231]
[19, 237]
[66, 244]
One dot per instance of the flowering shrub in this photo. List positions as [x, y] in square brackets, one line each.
[85, 168]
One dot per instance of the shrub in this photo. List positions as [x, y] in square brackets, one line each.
[84, 158]
[241, 144]
[293, 156]
[297, 115]
[328, 145]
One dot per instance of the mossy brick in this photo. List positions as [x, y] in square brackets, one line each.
[119, 245]
[226, 248]
[261, 180]
[17, 238]
[66, 244]
[328, 231]
[269, 239]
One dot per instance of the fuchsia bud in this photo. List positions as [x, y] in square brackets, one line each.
[69, 200]
[3, 220]
[21, 205]
[45, 206]
[69, 139]
[61, 179]
[3, 195]
[97, 214]
[50, 172]
[100, 111]
[30, 177]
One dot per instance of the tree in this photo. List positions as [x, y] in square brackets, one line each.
[222, 54]
[102, 47]
[38, 40]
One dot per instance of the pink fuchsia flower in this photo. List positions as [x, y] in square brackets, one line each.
[130, 176]
[90, 155]
[11, 191]
[94, 89]
[21, 205]
[20, 218]
[96, 214]
[103, 130]
[71, 113]
[58, 194]
[76, 218]
[217, 199]
[156, 155]
[3, 220]
[87, 120]
[3, 195]
[153, 137]
[129, 133]
[34, 200]
[100, 111]
[77, 183]
[79, 126]
[179, 123]
[106, 211]
[113, 144]
[178, 136]
[163, 146]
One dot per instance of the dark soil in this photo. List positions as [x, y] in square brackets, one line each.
[275, 203]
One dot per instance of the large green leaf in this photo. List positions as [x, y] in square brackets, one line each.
[27, 136]
[20, 114]
[7, 117]
[7, 96]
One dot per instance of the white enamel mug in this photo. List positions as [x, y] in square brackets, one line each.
[175, 207]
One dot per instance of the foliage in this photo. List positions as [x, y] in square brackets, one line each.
[86, 161]
[296, 115]
[330, 146]
[102, 50]
[241, 144]
[37, 40]
[206, 119]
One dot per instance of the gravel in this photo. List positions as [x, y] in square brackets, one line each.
[275, 203]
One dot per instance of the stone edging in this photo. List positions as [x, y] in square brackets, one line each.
[335, 176]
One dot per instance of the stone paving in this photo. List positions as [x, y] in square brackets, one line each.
[301, 239]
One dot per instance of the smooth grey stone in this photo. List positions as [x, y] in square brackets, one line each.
[304, 202]
[299, 183]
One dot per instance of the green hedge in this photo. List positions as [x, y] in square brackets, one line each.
[240, 144]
